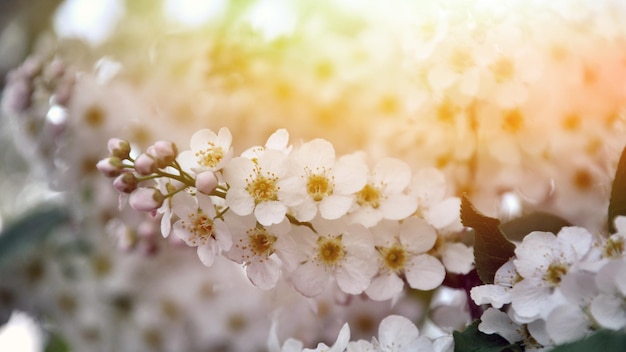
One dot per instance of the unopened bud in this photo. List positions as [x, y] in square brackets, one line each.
[145, 165]
[111, 166]
[125, 183]
[146, 199]
[163, 152]
[119, 148]
[206, 182]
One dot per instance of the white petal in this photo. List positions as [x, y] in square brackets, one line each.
[366, 216]
[184, 204]
[265, 274]
[385, 287]
[269, 213]
[310, 279]
[417, 236]
[222, 234]
[398, 206]
[494, 321]
[207, 253]
[458, 258]
[350, 173]
[200, 139]
[278, 140]
[495, 295]
[335, 206]
[187, 160]
[240, 201]
[397, 333]
[237, 171]
[393, 173]
[567, 323]
[608, 311]
[444, 213]
[224, 138]
[425, 272]
[318, 153]
[355, 274]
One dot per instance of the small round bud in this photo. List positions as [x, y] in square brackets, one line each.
[145, 165]
[206, 182]
[125, 183]
[146, 199]
[111, 166]
[163, 152]
[119, 148]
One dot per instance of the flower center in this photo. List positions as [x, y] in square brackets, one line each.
[261, 243]
[513, 121]
[263, 189]
[614, 247]
[210, 156]
[503, 69]
[369, 195]
[201, 228]
[330, 250]
[394, 257]
[319, 186]
[555, 273]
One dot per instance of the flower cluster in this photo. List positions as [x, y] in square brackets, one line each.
[557, 288]
[395, 334]
[300, 212]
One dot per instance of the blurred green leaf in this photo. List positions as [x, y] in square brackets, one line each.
[491, 248]
[31, 229]
[604, 340]
[517, 229]
[617, 204]
[473, 340]
[56, 343]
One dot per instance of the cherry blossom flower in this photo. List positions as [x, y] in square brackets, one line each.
[258, 248]
[542, 259]
[338, 251]
[383, 195]
[325, 183]
[198, 227]
[402, 253]
[258, 186]
[209, 151]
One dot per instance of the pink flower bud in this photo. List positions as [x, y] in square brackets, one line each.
[146, 199]
[163, 152]
[206, 182]
[110, 167]
[119, 148]
[145, 165]
[125, 183]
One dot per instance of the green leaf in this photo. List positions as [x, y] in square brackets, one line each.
[517, 229]
[31, 229]
[473, 340]
[617, 204]
[491, 248]
[56, 343]
[603, 340]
